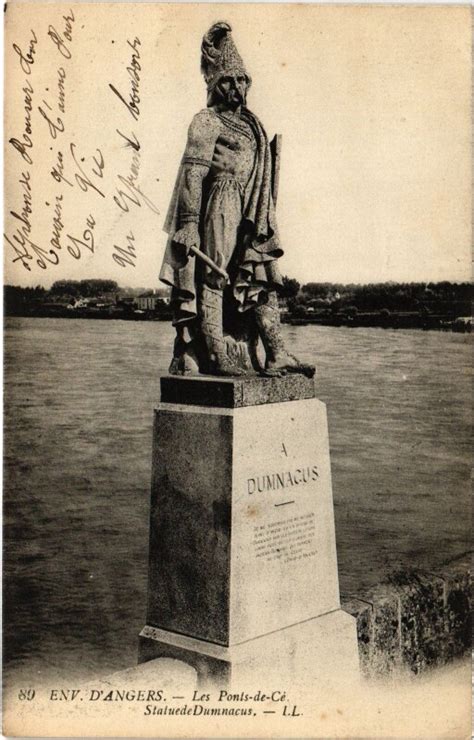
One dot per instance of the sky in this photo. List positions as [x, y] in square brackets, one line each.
[373, 105]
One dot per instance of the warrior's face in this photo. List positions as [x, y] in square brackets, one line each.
[232, 89]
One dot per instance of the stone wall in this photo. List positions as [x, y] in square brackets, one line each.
[416, 619]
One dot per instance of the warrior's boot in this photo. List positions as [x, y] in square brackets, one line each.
[278, 360]
[211, 326]
[177, 366]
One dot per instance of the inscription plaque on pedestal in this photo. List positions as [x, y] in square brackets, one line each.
[283, 549]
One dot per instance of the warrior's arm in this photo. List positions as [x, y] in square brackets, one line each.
[190, 196]
[202, 136]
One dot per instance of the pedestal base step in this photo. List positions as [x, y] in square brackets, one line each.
[318, 653]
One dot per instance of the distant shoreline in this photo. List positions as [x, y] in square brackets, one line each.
[369, 321]
[401, 320]
[442, 306]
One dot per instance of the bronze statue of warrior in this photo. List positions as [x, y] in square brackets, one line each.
[223, 246]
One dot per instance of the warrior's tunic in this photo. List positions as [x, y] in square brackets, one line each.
[236, 219]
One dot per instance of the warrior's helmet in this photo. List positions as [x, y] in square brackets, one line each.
[219, 56]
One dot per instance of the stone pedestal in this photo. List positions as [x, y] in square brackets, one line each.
[243, 568]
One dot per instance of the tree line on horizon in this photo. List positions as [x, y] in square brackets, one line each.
[442, 297]
[435, 297]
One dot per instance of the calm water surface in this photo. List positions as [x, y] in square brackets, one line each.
[79, 403]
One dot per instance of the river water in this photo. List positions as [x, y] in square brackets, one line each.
[78, 420]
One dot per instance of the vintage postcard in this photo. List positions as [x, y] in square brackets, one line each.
[237, 248]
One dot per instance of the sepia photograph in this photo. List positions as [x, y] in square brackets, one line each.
[237, 370]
